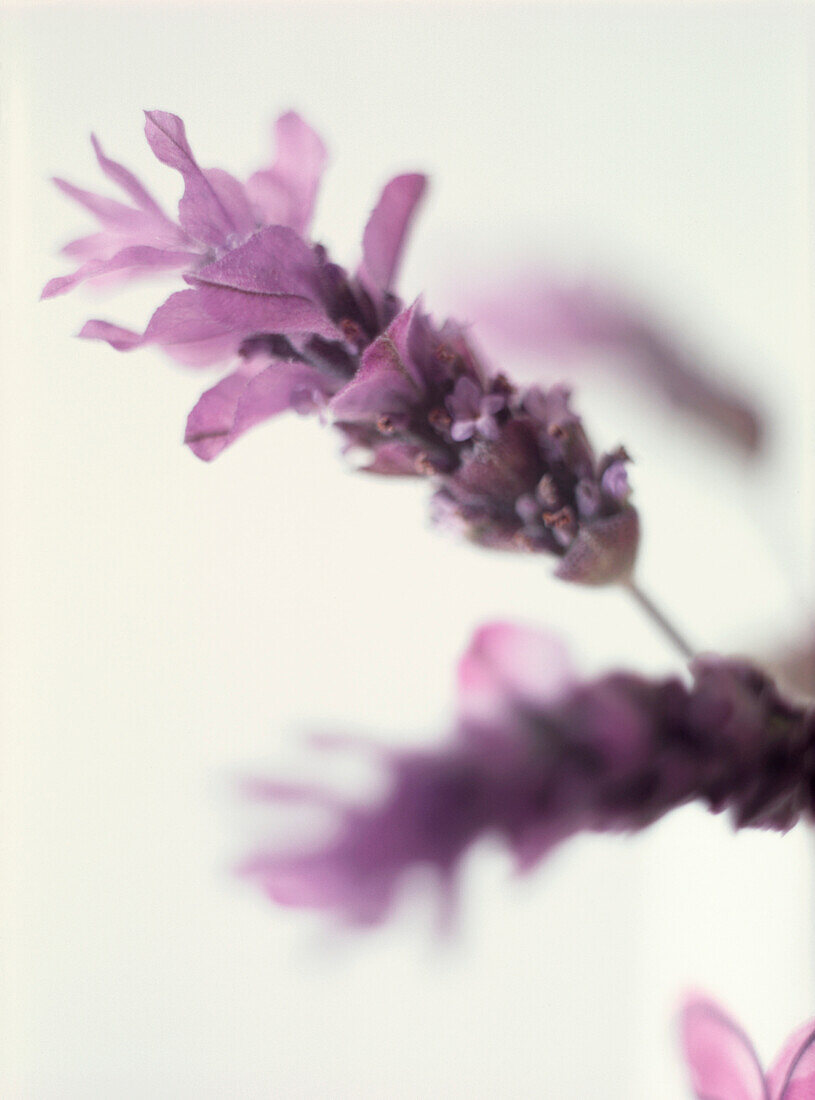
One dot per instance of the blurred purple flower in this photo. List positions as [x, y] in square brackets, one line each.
[536, 312]
[512, 469]
[537, 756]
[723, 1063]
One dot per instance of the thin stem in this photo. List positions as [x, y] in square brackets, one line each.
[656, 616]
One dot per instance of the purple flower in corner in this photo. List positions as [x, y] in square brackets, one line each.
[512, 469]
[536, 756]
[723, 1063]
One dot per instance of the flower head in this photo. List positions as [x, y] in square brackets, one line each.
[537, 755]
[723, 1063]
[511, 468]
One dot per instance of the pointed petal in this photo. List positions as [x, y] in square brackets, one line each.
[387, 228]
[180, 326]
[244, 399]
[138, 259]
[110, 212]
[387, 381]
[122, 339]
[722, 1062]
[285, 193]
[125, 179]
[793, 1074]
[205, 210]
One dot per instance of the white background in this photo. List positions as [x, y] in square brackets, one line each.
[170, 625]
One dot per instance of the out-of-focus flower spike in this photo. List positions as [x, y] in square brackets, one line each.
[566, 323]
[537, 755]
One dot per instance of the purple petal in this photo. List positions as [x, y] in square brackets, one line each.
[722, 1062]
[209, 209]
[437, 805]
[285, 193]
[180, 326]
[131, 185]
[245, 398]
[268, 284]
[792, 1076]
[388, 381]
[385, 233]
[505, 665]
[122, 339]
[136, 260]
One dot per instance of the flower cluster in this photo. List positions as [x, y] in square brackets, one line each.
[512, 468]
[723, 1063]
[537, 756]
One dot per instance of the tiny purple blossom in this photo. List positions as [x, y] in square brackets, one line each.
[723, 1064]
[473, 412]
[537, 756]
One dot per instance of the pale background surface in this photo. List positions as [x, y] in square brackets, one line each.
[170, 624]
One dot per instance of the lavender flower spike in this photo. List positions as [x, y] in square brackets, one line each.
[511, 468]
[537, 756]
[723, 1063]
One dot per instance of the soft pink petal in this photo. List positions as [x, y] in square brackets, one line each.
[138, 259]
[110, 212]
[94, 246]
[285, 193]
[722, 1062]
[205, 211]
[792, 1076]
[180, 326]
[234, 199]
[122, 339]
[245, 398]
[130, 184]
[506, 664]
[387, 228]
